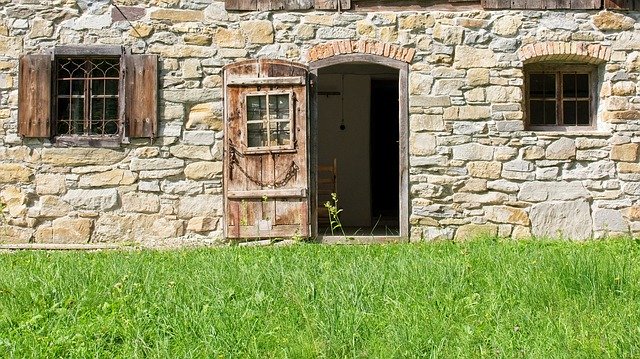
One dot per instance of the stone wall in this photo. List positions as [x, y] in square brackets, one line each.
[473, 166]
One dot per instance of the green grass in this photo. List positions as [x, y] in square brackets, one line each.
[481, 299]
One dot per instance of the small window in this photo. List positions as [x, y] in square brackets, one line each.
[560, 97]
[269, 120]
[87, 97]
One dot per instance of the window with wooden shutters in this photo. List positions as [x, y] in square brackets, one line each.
[88, 95]
[560, 97]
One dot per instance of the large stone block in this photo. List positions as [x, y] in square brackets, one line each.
[140, 202]
[192, 152]
[472, 152]
[232, 38]
[92, 199]
[14, 173]
[116, 177]
[174, 15]
[570, 220]
[258, 31]
[66, 230]
[205, 205]
[79, 156]
[613, 21]
[422, 144]
[203, 116]
[626, 152]
[50, 207]
[609, 221]
[505, 214]
[507, 25]
[151, 164]
[467, 57]
[552, 191]
[562, 149]
[50, 184]
[203, 170]
[202, 224]
[136, 227]
[15, 234]
[484, 169]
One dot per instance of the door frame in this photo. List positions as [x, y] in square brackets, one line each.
[403, 127]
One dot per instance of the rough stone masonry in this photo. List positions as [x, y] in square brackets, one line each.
[474, 168]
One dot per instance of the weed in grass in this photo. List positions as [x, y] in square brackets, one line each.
[334, 214]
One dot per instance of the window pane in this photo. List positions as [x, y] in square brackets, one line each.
[542, 112]
[280, 133]
[569, 113]
[550, 112]
[279, 106]
[542, 85]
[77, 87]
[64, 87]
[256, 108]
[582, 85]
[256, 135]
[583, 113]
[569, 85]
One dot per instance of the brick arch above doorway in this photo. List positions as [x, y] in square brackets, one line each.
[345, 47]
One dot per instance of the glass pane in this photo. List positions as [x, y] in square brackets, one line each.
[569, 112]
[64, 87]
[542, 85]
[280, 133]
[583, 113]
[97, 109]
[77, 115]
[256, 135]
[111, 109]
[279, 106]
[550, 112]
[77, 87]
[582, 85]
[569, 85]
[111, 87]
[536, 112]
[256, 108]
[97, 87]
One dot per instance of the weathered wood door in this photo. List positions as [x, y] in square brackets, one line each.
[266, 171]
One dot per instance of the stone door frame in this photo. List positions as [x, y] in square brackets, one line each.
[403, 126]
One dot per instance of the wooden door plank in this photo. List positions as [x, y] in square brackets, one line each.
[618, 4]
[496, 4]
[245, 5]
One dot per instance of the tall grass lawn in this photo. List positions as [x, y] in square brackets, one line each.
[478, 299]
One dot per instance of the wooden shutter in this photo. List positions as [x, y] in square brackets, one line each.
[34, 96]
[246, 5]
[141, 95]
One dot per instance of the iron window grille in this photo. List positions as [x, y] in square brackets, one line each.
[87, 96]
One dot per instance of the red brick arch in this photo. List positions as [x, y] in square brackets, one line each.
[343, 47]
[565, 51]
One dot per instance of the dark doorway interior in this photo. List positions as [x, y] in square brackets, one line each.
[384, 152]
[358, 131]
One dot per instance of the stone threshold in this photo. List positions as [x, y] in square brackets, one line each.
[59, 247]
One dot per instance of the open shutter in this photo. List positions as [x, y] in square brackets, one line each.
[265, 186]
[141, 95]
[34, 96]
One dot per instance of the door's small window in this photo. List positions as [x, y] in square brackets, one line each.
[269, 120]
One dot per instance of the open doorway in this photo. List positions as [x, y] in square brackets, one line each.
[358, 138]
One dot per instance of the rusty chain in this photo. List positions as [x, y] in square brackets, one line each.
[291, 172]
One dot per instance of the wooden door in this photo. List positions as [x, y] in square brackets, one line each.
[266, 171]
